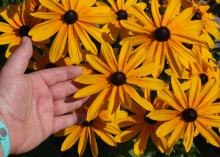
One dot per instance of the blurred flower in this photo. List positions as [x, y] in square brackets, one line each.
[74, 21]
[40, 60]
[210, 27]
[87, 131]
[137, 124]
[192, 111]
[19, 23]
[162, 36]
[205, 66]
[115, 78]
[120, 8]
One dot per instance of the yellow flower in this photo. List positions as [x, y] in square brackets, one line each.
[120, 9]
[217, 1]
[40, 60]
[19, 22]
[141, 126]
[192, 111]
[209, 25]
[74, 20]
[115, 79]
[164, 34]
[87, 131]
[205, 65]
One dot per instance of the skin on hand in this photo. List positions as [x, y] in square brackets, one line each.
[33, 105]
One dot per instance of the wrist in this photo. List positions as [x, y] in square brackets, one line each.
[4, 128]
[4, 139]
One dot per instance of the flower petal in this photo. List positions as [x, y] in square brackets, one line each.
[142, 140]
[7, 38]
[86, 40]
[169, 98]
[194, 90]
[179, 93]
[176, 134]
[96, 106]
[92, 141]
[188, 139]
[172, 9]
[163, 115]
[109, 56]
[91, 89]
[107, 138]
[91, 79]
[155, 12]
[53, 5]
[95, 32]
[134, 27]
[41, 32]
[46, 15]
[137, 98]
[128, 134]
[144, 70]
[82, 141]
[124, 55]
[74, 47]
[58, 46]
[142, 17]
[4, 27]
[71, 139]
[97, 64]
[208, 133]
[167, 127]
[97, 15]
[146, 82]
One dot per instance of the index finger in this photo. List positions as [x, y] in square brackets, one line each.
[54, 75]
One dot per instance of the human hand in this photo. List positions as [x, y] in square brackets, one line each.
[32, 106]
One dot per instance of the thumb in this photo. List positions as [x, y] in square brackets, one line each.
[19, 59]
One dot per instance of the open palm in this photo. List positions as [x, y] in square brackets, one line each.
[34, 106]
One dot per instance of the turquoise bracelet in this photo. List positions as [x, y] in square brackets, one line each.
[4, 139]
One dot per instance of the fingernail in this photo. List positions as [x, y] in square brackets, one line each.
[24, 40]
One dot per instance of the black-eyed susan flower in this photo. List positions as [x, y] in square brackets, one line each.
[87, 132]
[164, 34]
[116, 79]
[121, 10]
[142, 127]
[74, 21]
[191, 111]
[205, 65]
[19, 23]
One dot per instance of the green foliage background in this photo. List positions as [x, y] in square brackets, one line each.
[51, 147]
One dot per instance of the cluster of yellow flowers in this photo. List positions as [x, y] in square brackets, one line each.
[125, 48]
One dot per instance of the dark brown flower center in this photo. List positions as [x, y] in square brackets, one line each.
[24, 30]
[122, 15]
[87, 124]
[162, 34]
[204, 78]
[197, 16]
[189, 115]
[150, 121]
[70, 17]
[118, 78]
